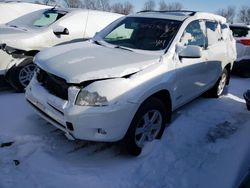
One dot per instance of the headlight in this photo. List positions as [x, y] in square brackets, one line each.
[86, 98]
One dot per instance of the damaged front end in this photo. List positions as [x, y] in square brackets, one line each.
[16, 66]
[10, 57]
[15, 53]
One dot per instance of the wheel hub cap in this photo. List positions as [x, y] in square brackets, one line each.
[148, 127]
[26, 74]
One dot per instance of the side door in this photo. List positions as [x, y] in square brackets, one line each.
[217, 49]
[191, 72]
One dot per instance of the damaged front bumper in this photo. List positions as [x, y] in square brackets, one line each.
[107, 123]
[9, 57]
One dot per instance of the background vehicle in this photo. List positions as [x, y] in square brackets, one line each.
[125, 83]
[12, 10]
[241, 33]
[25, 36]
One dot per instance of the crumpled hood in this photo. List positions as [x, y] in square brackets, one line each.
[85, 61]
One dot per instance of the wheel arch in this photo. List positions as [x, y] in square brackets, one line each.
[32, 53]
[165, 97]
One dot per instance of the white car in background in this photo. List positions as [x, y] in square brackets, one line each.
[25, 36]
[241, 33]
[127, 80]
[12, 10]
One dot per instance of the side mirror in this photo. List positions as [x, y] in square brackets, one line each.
[190, 51]
[60, 31]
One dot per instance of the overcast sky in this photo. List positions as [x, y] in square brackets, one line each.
[199, 5]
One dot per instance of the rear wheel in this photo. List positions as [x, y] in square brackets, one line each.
[220, 85]
[148, 124]
[20, 76]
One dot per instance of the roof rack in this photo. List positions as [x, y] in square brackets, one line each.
[187, 12]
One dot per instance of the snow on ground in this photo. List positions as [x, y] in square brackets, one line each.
[207, 145]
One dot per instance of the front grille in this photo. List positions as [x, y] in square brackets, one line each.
[54, 85]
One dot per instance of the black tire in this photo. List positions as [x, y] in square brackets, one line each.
[15, 74]
[151, 105]
[216, 91]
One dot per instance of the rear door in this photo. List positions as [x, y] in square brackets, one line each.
[217, 51]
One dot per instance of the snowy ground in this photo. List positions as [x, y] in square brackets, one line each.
[207, 145]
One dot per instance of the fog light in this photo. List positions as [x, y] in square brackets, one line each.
[101, 131]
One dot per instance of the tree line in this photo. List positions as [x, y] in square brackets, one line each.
[241, 15]
[232, 15]
[125, 7]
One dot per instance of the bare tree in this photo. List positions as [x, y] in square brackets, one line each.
[170, 6]
[90, 4]
[149, 5]
[73, 3]
[117, 8]
[122, 8]
[128, 7]
[104, 5]
[244, 15]
[162, 5]
[229, 13]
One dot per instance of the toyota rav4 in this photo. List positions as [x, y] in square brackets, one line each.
[125, 82]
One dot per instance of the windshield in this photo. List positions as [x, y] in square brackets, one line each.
[38, 19]
[143, 33]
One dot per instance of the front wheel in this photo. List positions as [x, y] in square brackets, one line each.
[148, 124]
[20, 76]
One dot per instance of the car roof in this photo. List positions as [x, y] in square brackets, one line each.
[179, 15]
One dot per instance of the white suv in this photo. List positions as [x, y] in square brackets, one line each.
[125, 83]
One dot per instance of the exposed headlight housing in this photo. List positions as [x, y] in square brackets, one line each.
[86, 98]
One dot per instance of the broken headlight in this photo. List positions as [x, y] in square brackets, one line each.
[86, 98]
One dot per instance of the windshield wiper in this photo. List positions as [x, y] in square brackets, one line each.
[98, 43]
[123, 48]
[18, 27]
[12, 25]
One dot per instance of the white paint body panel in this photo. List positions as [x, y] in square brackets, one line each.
[184, 79]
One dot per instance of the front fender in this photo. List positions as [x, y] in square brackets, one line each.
[136, 88]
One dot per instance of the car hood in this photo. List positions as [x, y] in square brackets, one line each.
[7, 32]
[19, 37]
[86, 61]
